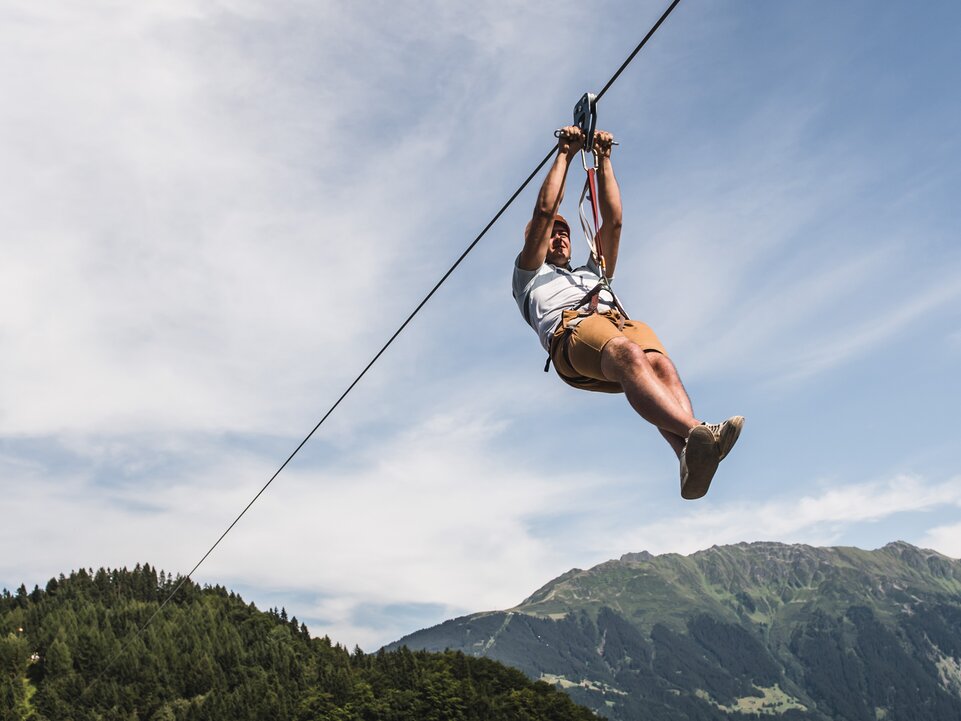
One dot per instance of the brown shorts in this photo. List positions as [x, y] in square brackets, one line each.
[576, 352]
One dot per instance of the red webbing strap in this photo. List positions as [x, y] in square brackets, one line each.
[592, 188]
[592, 192]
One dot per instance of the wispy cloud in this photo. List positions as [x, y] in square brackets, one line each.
[425, 517]
[946, 539]
[815, 518]
[219, 209]
[871, 333]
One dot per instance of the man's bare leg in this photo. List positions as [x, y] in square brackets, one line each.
[654, 390]
[653, 399]
[667, 374]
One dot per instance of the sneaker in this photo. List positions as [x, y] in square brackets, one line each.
[726, 433]
[699, 461]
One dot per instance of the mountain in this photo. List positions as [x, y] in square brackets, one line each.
[749, 630]
[72, 652]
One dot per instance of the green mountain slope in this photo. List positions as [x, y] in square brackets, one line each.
[209, 656]
[762, 629]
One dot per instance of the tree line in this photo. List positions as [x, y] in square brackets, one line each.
[209, 656]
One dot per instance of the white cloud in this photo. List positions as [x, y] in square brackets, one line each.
[817, 519]
[946, 539]
[871, 333]
[428, 516]
[217, 208]
[164, 252]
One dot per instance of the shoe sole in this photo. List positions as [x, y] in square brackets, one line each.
[730, 430]
[702, 458]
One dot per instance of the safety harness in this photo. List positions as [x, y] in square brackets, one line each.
[585, 118]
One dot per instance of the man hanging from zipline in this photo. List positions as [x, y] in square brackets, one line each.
[584, 329]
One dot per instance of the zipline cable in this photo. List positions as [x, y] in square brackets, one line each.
[636, 50]
[386, 345]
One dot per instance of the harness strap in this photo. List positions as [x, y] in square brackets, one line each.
[592, 232]
[565, 337]
[591, 297]
[593, 235]
[562, 342]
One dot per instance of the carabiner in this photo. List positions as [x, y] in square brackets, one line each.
[593, 166]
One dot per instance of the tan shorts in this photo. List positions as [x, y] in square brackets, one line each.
[576, 352]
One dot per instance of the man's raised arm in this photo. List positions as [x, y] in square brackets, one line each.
[537, 240]
[609, 198]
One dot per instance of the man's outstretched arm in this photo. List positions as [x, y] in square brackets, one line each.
[609, 199]
[549, 199]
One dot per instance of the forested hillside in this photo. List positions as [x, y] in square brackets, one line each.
[209, 656]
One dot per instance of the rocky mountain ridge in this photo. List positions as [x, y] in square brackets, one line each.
[736, 631]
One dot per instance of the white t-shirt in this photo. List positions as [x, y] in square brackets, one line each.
[543, 294]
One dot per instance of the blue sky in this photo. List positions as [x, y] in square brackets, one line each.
[216, 212]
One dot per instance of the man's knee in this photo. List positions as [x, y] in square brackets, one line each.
[661, 364]
[621, 355]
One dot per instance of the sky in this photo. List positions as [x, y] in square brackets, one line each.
[215, 213]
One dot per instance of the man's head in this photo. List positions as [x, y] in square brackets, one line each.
[559, 246]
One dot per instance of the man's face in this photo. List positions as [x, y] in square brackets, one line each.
[559, 250]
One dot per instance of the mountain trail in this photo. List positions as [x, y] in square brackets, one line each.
[498, 632]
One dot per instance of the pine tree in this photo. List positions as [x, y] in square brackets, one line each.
[58, 661]
[14, 657]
